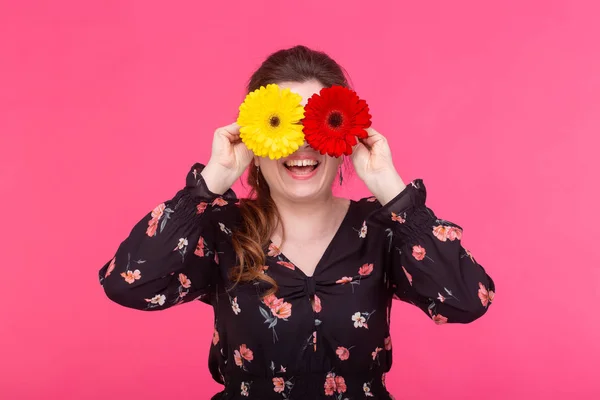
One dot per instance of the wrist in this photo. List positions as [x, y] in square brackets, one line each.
[218, 179]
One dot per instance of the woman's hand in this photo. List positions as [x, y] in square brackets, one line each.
[372, 160]
[229, 159]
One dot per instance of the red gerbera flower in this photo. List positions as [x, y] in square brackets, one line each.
[333, 119]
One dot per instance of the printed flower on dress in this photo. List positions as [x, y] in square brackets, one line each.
[241, 355]
[334, 119]
[486, 296]
[398, 218]
[443, 298]
[408, 276]
[244, 389]
[269, 122]
[445, 232]
[282, 386]
[340, 384]
[111, 267]
[201, 207]
[366, 269]
[343, 353]
[272, 301]
[441, 232]
[184, 288]
[454, 233]
[202, 250]
[224, 229]
[156, 215]
[273, 250]
[418, 252]
[279, 384]
[367, 389]
[280, 310]
[334, 384]
[234, 305]
[184, 281]
[329, 384]
[131, 276]
[200, 247]
[219, 201]
[182, 247]
[361, 319]
[316, 304]
[287, 264]
[362, 232]
[157, 300]
[438, 318]
[375, 354]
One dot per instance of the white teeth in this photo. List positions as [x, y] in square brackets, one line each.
[300, 163]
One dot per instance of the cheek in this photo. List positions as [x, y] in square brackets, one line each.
[332, 168]
[269, 169]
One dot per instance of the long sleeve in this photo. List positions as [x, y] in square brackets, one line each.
[427, 264]
[169, 256]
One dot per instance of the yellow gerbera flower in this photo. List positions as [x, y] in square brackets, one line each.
[269, 122]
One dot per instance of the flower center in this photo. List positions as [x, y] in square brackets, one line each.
[335, 119]
[274, 121]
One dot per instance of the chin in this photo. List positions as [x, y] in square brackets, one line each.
[303, 193]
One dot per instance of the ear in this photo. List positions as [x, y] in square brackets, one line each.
[256, 163]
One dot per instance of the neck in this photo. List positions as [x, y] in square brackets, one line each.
[316, 217]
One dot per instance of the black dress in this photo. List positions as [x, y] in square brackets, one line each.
[320, 337]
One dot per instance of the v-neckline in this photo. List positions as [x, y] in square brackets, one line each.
[337, 233]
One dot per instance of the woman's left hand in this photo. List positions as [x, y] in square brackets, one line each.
[372, 160]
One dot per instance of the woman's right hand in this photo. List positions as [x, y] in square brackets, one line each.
[229, 159]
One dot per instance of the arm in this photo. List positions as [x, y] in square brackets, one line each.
[427, 265]
[169, 256]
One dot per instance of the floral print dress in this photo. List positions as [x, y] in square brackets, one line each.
[324, 336]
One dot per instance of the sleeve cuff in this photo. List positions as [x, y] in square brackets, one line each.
[413, 196]
[406, 214]
[195, 184]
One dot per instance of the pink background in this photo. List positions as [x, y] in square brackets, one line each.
[104, 106]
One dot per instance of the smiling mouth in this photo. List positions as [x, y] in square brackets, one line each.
[301, 167]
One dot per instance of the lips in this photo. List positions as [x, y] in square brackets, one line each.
[301, 167]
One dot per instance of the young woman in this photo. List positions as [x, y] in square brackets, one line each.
[301, 282]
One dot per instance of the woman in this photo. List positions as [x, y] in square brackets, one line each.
[300, 281]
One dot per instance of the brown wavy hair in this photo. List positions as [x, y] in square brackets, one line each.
[259, 212]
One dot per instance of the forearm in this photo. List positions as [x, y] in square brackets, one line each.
[385, 185]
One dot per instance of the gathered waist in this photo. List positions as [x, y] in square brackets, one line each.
[306, 386]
